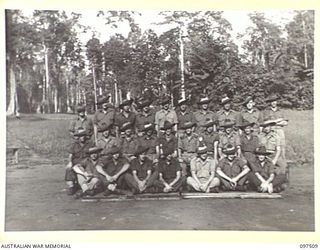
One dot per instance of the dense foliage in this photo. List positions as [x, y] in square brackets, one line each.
[50, 70]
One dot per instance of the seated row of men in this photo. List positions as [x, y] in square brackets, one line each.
[115, 174]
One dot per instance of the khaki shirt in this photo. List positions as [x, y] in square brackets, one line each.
[107, 143]
[188, 144]
[254, 116]
[203, 169]
[271, 141]
[85, 123]
[163, 115]
[231, 169]
[233, 138]
[201, 116]
[232, 115]
[101, 117]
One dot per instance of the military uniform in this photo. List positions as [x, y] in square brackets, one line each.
[121, 119]
[232, 138]
[271, 141]
[274, 115]
[248, 147]
[168, 145]
[141, 169]
[265, 169]
[169, 173]
[128, 146]
[231, 169]
[78, 153]
[107, 143]
[188, 146]
[89, 166]
[254, 116]
[165, 115]
[209, 140]
[112, 168]
[231, 115]
[85, 123]
[184, 117]
[203, 170]
[152, 143]
[201, 117]
[104, 117]
[143, 118]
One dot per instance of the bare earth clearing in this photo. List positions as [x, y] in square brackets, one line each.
[36, 200]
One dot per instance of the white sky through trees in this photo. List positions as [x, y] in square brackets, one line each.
[238, 18]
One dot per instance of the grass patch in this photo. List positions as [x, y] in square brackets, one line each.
[48, 134]
[300, 136]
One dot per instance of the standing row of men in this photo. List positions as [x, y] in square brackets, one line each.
[178, 145]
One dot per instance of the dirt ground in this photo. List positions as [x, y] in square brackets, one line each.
[36, 200]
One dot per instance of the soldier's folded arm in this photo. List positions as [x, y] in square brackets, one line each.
[271, 177]
[101, 171]
[245, 170]
[178, 176]
[277, 155]
[223, 175]
[124, 168]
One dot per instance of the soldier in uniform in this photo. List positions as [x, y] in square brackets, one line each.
[188, 143]
[170, 177]
[251, 114]
[143, 178]
[228, 136]
[145, 116]
[203, 113]
[210, 139]
[151, 140]
[226, 112]
[165, 114]
[112, 172]
[81, 122]
[129, 142]
[249, 142]
[271, 141]
[105, 115]
[107, 140]
[167, 142]
[264, 177]
[232, 170]
[184, 114]
[77, 153]
[125, 116]
[203, 169]
[87, 174]
[275, 113]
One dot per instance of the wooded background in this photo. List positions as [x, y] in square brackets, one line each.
[50, 70]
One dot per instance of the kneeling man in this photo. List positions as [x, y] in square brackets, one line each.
[203, 170]
[232, 170]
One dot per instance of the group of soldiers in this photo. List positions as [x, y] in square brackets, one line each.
[141, 148]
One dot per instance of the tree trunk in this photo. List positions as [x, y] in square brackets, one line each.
[13, 91]
[305, 50]
[46, 64]
[68, 94]
[55, 100]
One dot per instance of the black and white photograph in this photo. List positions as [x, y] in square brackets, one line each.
[159, 120]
